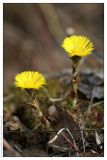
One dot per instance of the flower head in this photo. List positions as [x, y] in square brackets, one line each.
[29, 80]
[77, 46]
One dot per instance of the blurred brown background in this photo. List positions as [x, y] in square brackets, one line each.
[33, 34]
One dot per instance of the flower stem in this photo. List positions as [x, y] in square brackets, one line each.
[43, 119]
[74, 86]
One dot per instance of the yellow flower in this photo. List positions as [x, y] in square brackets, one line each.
[77, 46]
[30, 80]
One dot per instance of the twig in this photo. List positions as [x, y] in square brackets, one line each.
[75, 146]
[71, 144]
[90, 106]
[7, 146]
[95, 104]
[59, 133]
[89, 109]
[82, 134]
[56, 136]
[72, 138]
[60, 148]
[83, 140]
[88, 130]
[56, 99]
[17, 148]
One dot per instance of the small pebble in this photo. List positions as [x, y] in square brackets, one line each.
[52, 110]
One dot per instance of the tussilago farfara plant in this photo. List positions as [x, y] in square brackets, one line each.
[29, 81]
[77, 47]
